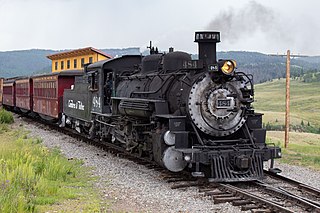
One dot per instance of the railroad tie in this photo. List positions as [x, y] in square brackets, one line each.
[241, 202]
[260, 211]
[249, 207]
[225, 199]
[213, 192]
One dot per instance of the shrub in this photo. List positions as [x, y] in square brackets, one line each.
[6, 117]
[30, 173]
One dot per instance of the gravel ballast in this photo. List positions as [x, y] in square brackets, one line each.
[127, 186]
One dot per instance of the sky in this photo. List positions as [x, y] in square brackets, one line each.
[267, 26]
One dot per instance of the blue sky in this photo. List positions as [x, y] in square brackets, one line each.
[268, 26]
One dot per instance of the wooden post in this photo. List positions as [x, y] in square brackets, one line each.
[287, 121]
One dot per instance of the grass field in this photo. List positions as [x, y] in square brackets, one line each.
[303, 149]
[35, 179]
[304, 102]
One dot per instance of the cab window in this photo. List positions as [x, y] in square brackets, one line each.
[93, 79]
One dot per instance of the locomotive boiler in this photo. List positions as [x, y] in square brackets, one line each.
[182, 113]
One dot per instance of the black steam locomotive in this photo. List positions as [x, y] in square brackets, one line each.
[182, 113]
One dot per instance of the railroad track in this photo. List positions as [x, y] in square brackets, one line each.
[275, 193]
[305, 190]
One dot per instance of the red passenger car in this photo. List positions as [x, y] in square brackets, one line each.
[48, 92]
[9, 91]
[24, 94]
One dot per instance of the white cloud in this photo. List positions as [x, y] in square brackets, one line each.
[65, 24]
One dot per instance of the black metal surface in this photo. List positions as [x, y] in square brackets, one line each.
[222, 172]
[77, 102]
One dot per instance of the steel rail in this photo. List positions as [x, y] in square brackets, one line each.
[311, 206]
[302, 186]
[267, 204]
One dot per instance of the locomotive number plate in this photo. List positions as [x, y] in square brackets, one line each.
[223, 103]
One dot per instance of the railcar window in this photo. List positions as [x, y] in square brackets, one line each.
[44, 89]
[90, 60]
[68, 64]
[22, 89]
[48, 90]
[62, 65]
[56, 65]
[26, 88]
[18, 89]
[75, 63]
[40, 88]
[54, 92]
[7, 90]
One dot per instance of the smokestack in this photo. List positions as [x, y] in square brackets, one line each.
[207, 46]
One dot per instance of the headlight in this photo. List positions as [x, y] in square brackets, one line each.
[228, 67]
[279, 154]
[187, 158]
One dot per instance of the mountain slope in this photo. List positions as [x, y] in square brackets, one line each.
[263, 67]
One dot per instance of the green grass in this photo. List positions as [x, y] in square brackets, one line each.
[303, 148]
[5, 117]
[304, 102]
[35, 179]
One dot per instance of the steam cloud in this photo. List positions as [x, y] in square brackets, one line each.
[279, 31]
[234, 24]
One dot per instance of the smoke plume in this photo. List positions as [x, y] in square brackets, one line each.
[235, 24]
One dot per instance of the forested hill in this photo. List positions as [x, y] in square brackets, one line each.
[263, 67]
[23, 62]
[28, 62]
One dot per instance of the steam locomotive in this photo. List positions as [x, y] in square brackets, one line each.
[184, 114]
